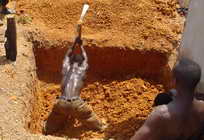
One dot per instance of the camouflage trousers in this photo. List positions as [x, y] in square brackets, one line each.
[77, 109]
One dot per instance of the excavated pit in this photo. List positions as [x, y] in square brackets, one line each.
[120, 87]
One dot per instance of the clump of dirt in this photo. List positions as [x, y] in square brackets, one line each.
[124, 104]
[141, 24]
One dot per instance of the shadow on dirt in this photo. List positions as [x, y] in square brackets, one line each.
[124, 126]
[68, 129]
[63, 125]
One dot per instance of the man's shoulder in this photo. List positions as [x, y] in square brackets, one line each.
[161, 112]
[158, 119]
[199, 105]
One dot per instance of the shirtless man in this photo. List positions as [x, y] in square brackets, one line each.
[74, 70]
[181, 119]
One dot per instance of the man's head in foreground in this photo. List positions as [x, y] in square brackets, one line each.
[187, 74]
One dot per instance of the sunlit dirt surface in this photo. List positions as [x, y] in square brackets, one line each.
[137, 24]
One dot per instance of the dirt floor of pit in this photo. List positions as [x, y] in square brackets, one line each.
[123, 104]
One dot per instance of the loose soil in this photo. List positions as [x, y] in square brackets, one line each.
[123, 104]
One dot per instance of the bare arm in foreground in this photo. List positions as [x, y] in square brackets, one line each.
[153, 126]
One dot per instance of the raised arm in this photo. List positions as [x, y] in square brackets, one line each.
[79, 29]
[85, 62]
[77, 39]
[70, 50]
[66, 62]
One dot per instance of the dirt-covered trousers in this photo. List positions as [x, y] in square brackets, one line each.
[77, 109]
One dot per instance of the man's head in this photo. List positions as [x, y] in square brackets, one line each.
[77, 50]
[187, 74]
[77, 58]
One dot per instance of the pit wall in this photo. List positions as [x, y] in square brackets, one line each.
[104, 62]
